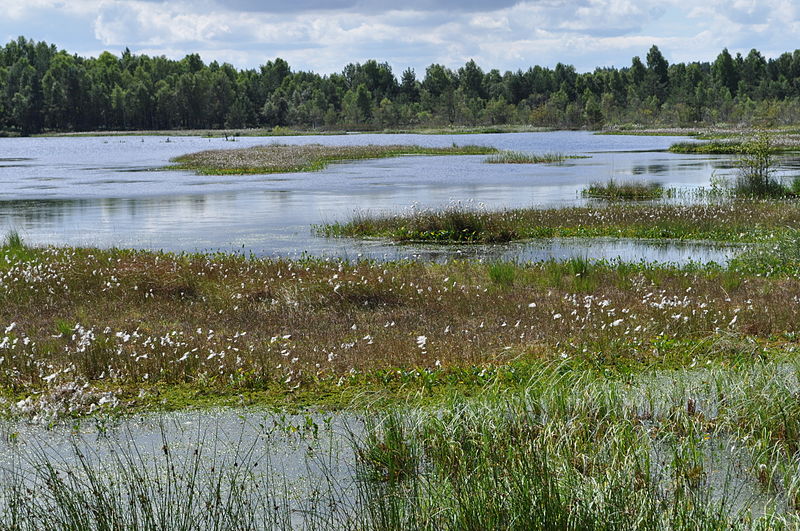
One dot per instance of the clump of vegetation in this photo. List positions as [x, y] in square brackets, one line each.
[455, 224]
[281, 158]
[502, 273]
[13, 241]
[717, 147]
[581, 448]
[626, 190]
[520, 157]
[729, 222]
[756, 170]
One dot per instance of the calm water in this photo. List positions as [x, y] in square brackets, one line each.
[105, 191]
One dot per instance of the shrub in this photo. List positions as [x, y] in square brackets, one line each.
[756, 169]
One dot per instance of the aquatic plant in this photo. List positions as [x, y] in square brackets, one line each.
[625, 190]
[520, 157]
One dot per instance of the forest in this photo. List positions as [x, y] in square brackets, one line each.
[43, 89]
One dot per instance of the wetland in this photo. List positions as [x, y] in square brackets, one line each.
[421, 341]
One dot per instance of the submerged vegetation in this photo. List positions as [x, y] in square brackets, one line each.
[735, 221]
[282, 158]
[626, 190]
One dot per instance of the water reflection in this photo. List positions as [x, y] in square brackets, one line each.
[104, 191]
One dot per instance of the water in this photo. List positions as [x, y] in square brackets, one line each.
[108, 191]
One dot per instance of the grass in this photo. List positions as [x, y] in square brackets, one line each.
[278, 158]
[519, 157]
[697, 449]
[89, 329]
[626, 190]
[574, 447]
[716, 147]
[566, 395]
[735, 221]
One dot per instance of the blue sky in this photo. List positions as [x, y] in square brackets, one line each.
[324, 36]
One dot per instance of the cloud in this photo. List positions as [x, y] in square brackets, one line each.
[362, 6]
[325, 35]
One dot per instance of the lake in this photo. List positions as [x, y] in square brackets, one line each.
[111, 192]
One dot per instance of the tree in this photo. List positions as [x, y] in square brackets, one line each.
[470, 80]
[358, 105]
[409, 87]
[724, 73]
[657, 76]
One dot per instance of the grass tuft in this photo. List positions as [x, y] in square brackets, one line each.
[520, 157]
[626, 190]
[502, 273]
[13, 241]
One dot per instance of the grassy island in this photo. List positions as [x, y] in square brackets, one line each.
[282, 158]
[734, 221]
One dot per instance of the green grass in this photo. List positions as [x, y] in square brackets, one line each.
[695, 449]
[519, 157]
[708, 148]
[278, 158]
[625, 190]
[13, 241]
[735, 221]
[573, 446]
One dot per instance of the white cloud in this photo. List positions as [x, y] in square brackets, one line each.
[324, 36]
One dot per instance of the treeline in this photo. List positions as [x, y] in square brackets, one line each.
[46, 89]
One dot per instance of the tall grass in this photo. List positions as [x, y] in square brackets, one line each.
[625, 190]
[578, 451]
[521, 157]
[576, 447]
[13, 241]
[199, 489]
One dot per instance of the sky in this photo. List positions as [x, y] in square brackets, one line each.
[325, 36]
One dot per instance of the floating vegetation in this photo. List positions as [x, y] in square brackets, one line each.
[281, 158]
[625, 190]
